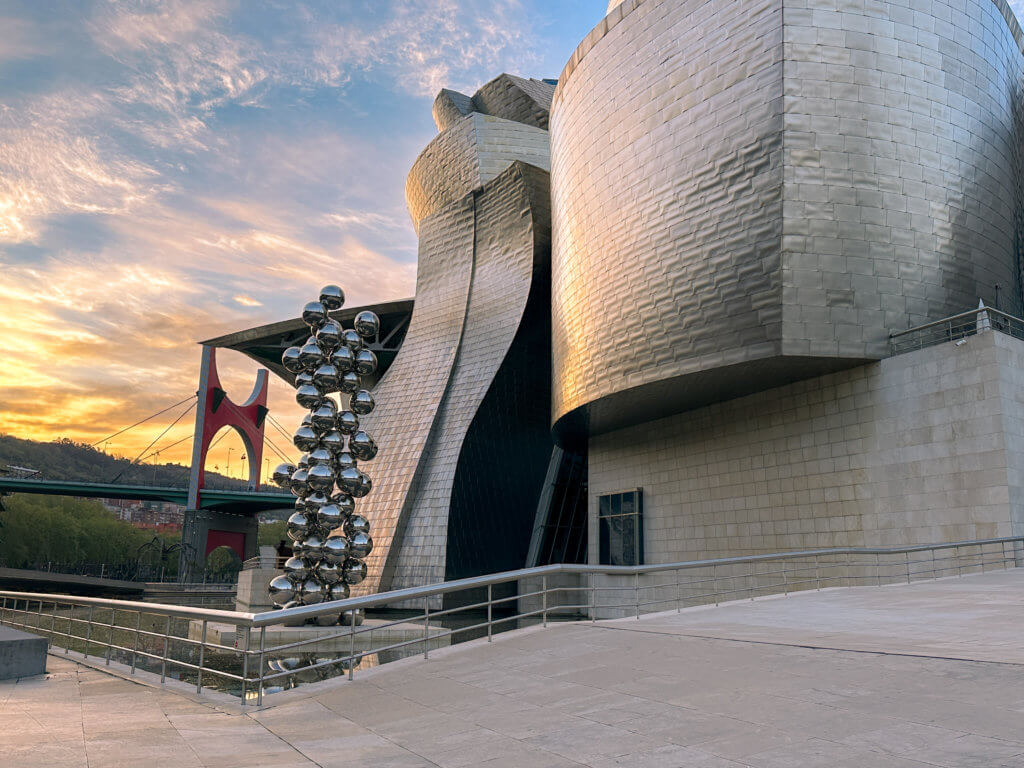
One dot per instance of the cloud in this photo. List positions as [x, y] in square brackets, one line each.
[247, 301]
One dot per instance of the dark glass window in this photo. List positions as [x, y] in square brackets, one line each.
[620, 526]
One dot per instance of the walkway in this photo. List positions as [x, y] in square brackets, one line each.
[853, 678]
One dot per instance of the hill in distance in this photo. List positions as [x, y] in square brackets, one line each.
[67, 460]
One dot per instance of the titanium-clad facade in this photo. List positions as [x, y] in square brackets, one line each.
[745, 194]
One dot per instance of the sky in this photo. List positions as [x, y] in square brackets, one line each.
[171, 171]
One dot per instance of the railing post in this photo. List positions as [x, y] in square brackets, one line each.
[817, 575]
[71, 621]
[245, 664]
[636, 593]
[933, 564]
[110, 635]
[490, 616]
[679, 592]
[959, 571]
[906, 560]
[593, 598]
[163, 663]
[351, 645]
[1002, 553]
[878, 571]
[202, 656]
[981, 554]
[544, 599]
[88, 632]
[785, 579]
[426, 627]
[3, 611]
[135, 643]
[714, 583]
[259, 692]
[53, 623]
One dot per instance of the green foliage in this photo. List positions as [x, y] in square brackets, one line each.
[35, 530]
[222, 562]
[67, 460]
[272, 533]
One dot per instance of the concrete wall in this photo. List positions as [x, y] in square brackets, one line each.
[924, 447]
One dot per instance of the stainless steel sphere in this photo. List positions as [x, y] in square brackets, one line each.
[283, 475]
[320, 455]
[366, 362]
[298, 526]
[296, 569]
[364, 487]
[351, 339]
[328, 572]
[313, 549]
[346, 422]
[362, 446]
[338, 591]
[281, 590]
[326, 378]
[349, 383]
[349, 480]
[367, 324]
[344, 460]
[354, 571]
[344, 502]
[357, 524]
[300, 505]
[293, 604]
[311, 592]
[306, 439]
[311, 357]
[333, 441]
[314, 314]
[298, 483]
[308, 396]
[360, 545]
[302, 379]
[330, 516]
[313, 503]
[335, 549]
[290, 360]
[326, 620]
[332, 297]
[320, 478]
[323, 417]
[299, 548]
[362, 402]
[328, 337]
[352, 617]
[344, 359]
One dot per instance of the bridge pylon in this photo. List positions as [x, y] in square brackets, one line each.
[204, 529]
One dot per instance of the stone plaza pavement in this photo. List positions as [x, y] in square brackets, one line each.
[929, 674]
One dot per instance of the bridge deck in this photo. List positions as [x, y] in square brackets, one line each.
[852, 677]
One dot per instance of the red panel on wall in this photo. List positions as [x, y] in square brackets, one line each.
[233, 539]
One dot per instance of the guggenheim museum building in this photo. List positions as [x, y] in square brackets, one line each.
[745, 278]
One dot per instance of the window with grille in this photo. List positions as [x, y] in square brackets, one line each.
[621, 530]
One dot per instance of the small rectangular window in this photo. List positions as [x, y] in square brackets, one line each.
[620, 526]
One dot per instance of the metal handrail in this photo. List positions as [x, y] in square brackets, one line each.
[717, 579]
[971, 314]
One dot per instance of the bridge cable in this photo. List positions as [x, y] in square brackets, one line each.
[165, 410]
[135, 460]
[166, 447]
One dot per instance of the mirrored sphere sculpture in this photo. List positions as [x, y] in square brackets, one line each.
[326, 480]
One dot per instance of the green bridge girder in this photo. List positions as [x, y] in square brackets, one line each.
[236, 502]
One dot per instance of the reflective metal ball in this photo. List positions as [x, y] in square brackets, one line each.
[362, 446]
[330, 516]
[313, 503]
[323, 417]
[311, 593]
[366, 362]
[298, 526]
[354, 571]
[344, 502]
[328, 337]
[367, 324]
[364, 487]
[335, 549]
[328, 572]
[362, 402]
[353, 617]
[344, 460]
[360, 545]
[349, 383]
[283, 474]
[308, 396]
[314, 314]
[296, 569]
[333, 441]
[326, 620]
[305, 439]
[326, 378]
[338, 591]
[281, 590]
[298, 483]
[332, 297]
[311, 357]
[346, 422]
[290, 360]
[304, 378]
[351, 339]
[357, 524]
[344, 359]
[349, 480]
[320, 478]
[320, 455]
[303, 461]
[313, 548]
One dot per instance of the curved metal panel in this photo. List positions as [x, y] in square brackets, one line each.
[739, 201]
